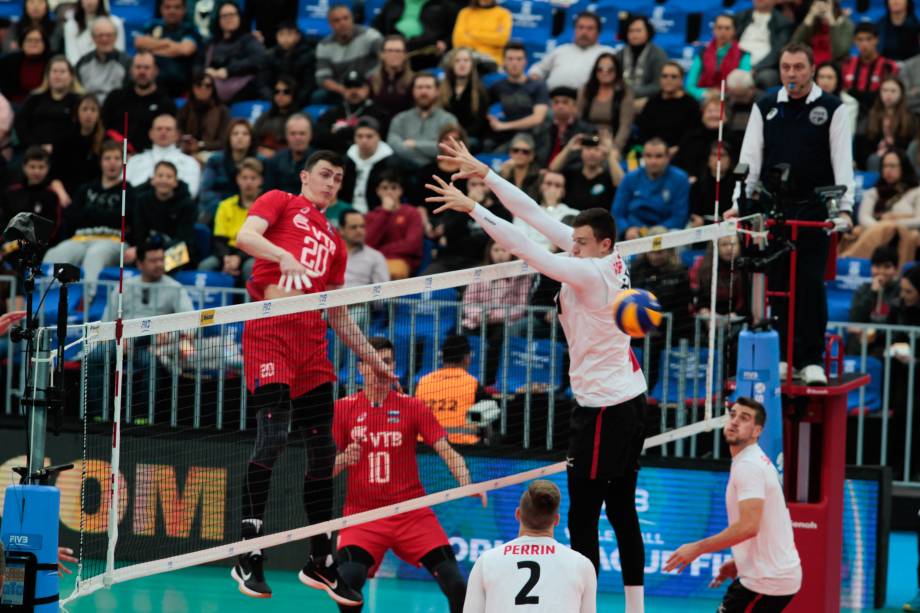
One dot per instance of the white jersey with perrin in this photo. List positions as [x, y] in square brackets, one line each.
[532, 574]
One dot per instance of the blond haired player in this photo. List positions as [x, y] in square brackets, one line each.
[534, 572]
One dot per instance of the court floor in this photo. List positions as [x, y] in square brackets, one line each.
[210, 590]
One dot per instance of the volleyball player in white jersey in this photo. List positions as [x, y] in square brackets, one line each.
[608, 421]
[534, 572]
[765, 564]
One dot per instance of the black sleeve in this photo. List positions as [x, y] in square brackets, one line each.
[23, 120]
[186, 231]
[72, 217]
[249, 60]
[347, 191]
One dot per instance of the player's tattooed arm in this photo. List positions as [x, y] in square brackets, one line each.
[456, 465]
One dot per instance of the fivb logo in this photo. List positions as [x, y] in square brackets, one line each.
[25, 541]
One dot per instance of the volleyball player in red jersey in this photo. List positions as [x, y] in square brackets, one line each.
[376, 431]
[288, 376]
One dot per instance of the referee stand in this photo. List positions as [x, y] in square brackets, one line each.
[814, 420]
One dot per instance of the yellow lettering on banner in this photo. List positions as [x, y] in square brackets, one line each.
[98, 496]
[203, 485]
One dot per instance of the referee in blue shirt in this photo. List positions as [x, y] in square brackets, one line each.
[804, 127]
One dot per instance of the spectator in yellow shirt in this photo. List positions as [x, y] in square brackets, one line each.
[484, 27]
[231, 213]
[460, 403]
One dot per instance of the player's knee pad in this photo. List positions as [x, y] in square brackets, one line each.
[442, 564]
[273, 405]
[354, 565]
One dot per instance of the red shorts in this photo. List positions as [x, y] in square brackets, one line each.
[410, 535]
[289, 349]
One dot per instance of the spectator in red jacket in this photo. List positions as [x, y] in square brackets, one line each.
[395, 229]
[864, 72]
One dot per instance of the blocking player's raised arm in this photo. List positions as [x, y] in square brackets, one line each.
[523, 206]
[515, 200]
[579, 273]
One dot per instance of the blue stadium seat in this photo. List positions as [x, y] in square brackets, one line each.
[872, 401]
[852, 272]
[110, 273]
[670, 23]
[693, 368]
[371, 9]
[249, 109]
[494, 160]
[538, 357]
[180, 102]
[532, 21]
[428, 315]
[10, 9]
[202, 240]
[135, 12]
[869, 178]
[197, 281]
[609, 13]
[689, 256]
[312, 16]
[315, 111]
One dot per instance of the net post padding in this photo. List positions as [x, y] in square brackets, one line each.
[221, 552]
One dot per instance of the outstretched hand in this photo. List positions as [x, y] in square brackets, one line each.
[457, 154]
[449, 196]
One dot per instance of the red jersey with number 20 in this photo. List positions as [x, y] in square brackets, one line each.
[298, 227]
[387, 472]
[291, 349]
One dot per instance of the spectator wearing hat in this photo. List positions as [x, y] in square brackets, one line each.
[864, 72]
[570, 65]
[654, 195]
[335, 129]
[553, 136]
[365, 162]
[590, 164]
[414, 133]
[349, 47]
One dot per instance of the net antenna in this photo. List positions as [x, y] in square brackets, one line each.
[710, 366]
[119, 366]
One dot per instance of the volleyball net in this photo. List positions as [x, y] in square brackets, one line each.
[177, 449]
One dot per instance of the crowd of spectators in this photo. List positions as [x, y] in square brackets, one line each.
[606, 120]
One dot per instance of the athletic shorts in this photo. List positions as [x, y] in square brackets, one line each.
[605, 442]
[410, 535]
[289, 349]
[739, 599]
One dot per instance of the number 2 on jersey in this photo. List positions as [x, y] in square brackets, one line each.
[379, 466]
[524, 597]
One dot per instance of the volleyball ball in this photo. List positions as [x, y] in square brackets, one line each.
[636, 312]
